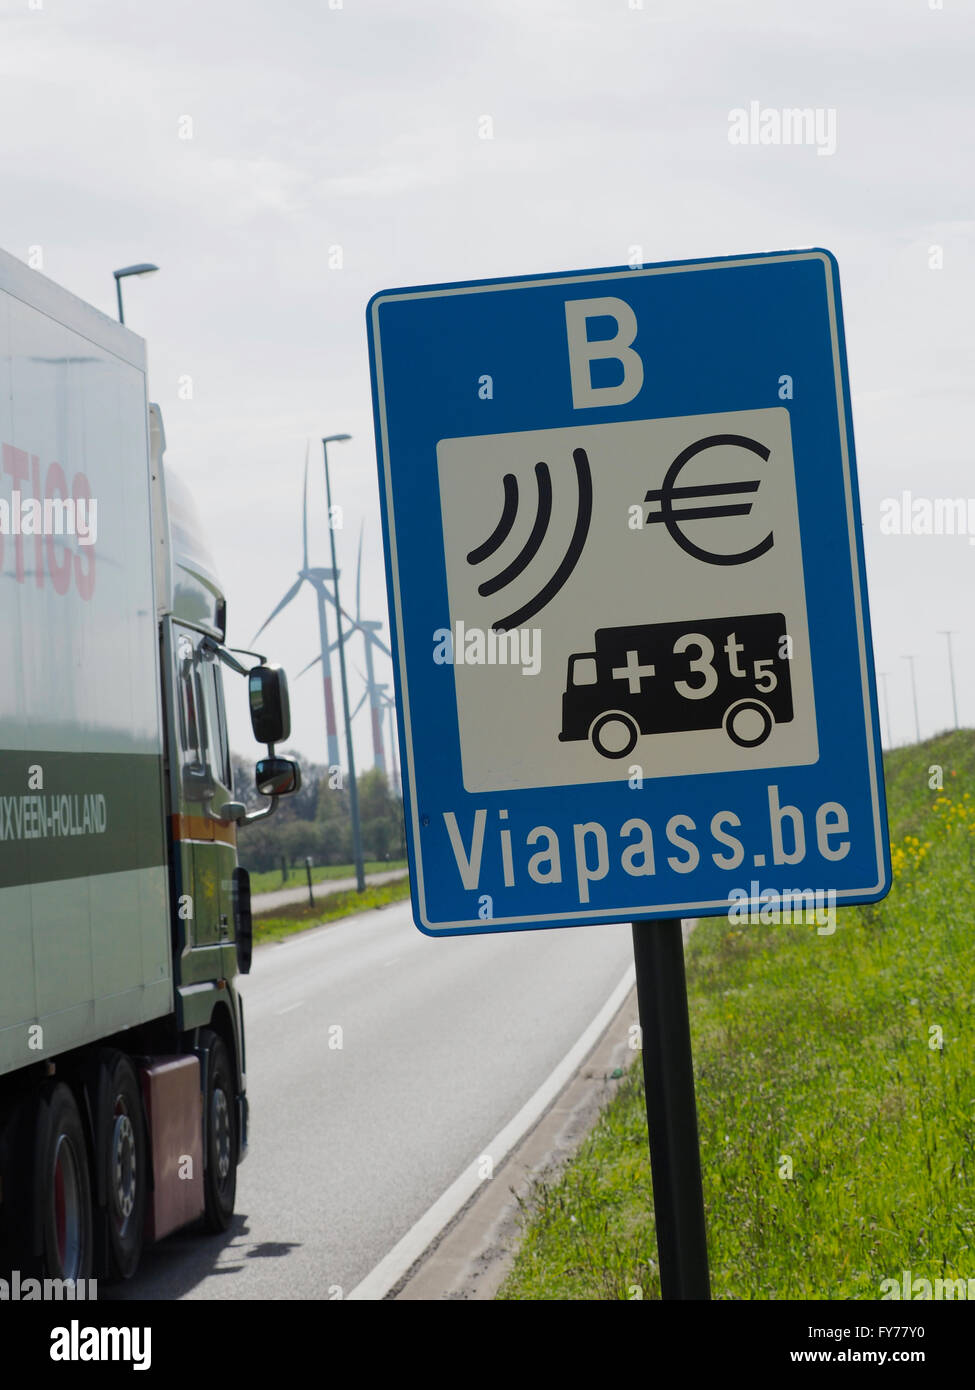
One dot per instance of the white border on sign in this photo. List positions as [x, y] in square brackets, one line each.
[682, 909]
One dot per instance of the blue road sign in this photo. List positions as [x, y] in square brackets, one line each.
[631, 639]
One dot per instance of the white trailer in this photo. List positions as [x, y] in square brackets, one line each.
[124, 918]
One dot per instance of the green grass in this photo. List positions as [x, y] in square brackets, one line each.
[296, 917]
[816, 1049]
[270, 880]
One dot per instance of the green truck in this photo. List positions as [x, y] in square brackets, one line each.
[124, 916]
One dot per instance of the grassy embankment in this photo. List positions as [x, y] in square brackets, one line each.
[285, 921]
[816, 1049]
[270, 881]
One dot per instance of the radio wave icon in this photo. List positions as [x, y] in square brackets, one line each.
[529, 550]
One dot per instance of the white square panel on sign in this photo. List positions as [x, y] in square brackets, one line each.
[634, 590]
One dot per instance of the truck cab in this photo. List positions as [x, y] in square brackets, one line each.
[209, 891]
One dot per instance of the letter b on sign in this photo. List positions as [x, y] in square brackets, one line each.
[583, 351]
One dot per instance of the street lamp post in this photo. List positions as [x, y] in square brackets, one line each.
[144, 268]
[883, 681]
[360, 872]
[951, 672]
[917, 722]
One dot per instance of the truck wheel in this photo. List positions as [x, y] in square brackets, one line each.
[220, 1178]
[121, 1153]
[62, 1189]
[614, 734]
[748, 723]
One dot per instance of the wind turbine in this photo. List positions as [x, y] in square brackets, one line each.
[318, 578]
[389, 704]
[377, 693]
[374, 691]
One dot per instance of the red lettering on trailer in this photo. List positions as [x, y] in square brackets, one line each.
[15, 462]
[77, 563]
[84, 560]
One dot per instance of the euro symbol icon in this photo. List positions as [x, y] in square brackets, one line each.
[668, 494]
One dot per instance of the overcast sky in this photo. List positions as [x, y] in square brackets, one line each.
[360, 127]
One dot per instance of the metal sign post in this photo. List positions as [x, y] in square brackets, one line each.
[675, 1160]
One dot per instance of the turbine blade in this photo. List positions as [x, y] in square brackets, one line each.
[358, 574]
[304, 514]
[314, 662]
[283, 604]
[359, 706]
[369, 636]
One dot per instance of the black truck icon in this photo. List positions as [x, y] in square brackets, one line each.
[662, 678]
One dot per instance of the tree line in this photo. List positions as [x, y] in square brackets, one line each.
[316, 822]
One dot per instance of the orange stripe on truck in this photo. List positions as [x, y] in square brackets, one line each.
[203, 828]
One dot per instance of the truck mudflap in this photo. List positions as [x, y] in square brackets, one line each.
[243, 1114]
[243, 1109]
[171, 1091]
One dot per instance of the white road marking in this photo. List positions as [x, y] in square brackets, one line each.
[290, 1007]
[407, 1251]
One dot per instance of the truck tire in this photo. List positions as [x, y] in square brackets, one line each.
[62, 1188]
[122, 1158]
[220, 1176]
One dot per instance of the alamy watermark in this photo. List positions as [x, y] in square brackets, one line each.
[926, 1289]
[473, 646]
[54, 516]
[19, 1290]
[908, 515]
[77, 1343]
[792, 125]
[798, 907]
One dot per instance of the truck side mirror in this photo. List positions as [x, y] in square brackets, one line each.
[267, 690]
[277, 776]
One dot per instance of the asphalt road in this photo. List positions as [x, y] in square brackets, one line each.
[442, 1041]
